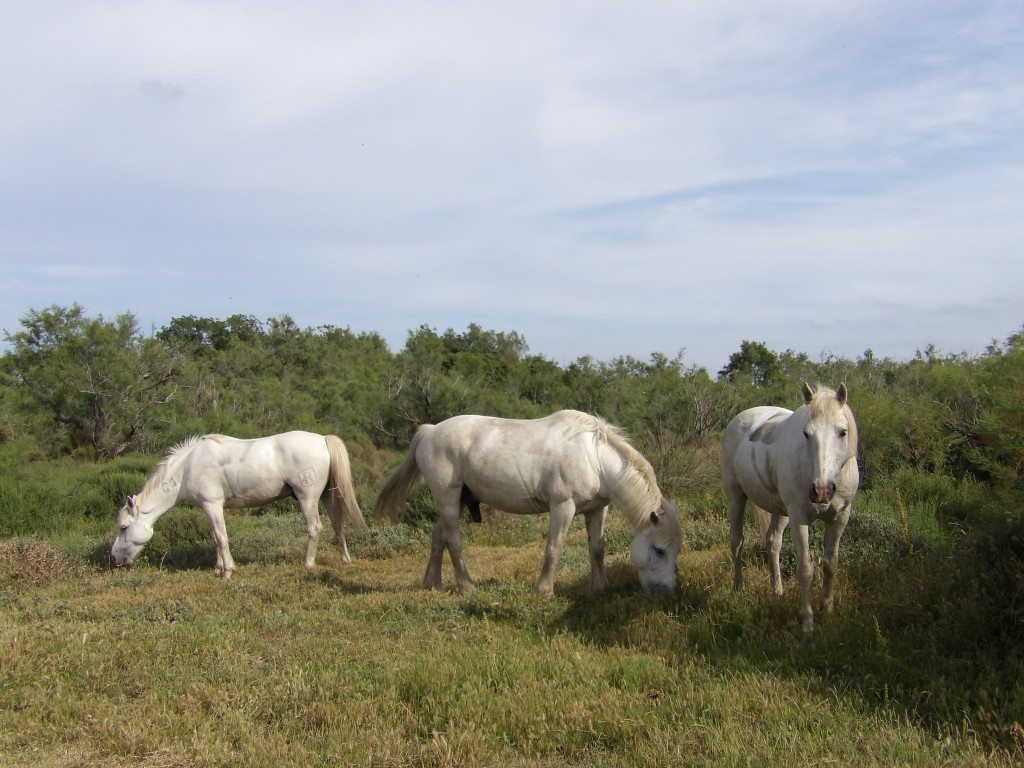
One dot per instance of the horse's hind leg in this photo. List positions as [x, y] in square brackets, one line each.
[310, 507]
[453, 540]
[346, 558]
[334, 514]
[763, 519]
[595, 541]
[225, 563]
[737, 504]
[446, 535]
[432, 576]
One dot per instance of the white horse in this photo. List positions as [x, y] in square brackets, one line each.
[216, 471]
[796, 467]
[566, 464]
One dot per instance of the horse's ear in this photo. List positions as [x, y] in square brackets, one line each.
[655, 517]
[130, 502]
[841, 394]
[808, 393]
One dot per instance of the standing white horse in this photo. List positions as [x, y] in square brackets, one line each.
[216, 471]
[566, 464]
[797, 467]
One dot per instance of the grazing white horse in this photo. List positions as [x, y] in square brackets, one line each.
[566, 464]
[216, 471]
[796, 467]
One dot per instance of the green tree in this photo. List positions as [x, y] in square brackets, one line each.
[97, 380]
[756, 362]
[988, 418]
[204, 335]
[422, 386]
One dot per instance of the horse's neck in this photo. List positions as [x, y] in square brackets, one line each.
[161, 492]
[629, 489]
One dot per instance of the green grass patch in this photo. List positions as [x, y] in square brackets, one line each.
[165, 664]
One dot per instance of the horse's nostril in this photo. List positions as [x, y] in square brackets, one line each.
[821, 493]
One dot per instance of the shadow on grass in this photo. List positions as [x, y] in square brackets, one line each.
[337, 582]
[934, 634]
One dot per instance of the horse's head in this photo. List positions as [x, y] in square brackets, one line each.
[830, 436]
[655, 549]
[133, 532]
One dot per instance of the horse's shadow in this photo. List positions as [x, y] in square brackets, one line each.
[201, 557]
[336, 581]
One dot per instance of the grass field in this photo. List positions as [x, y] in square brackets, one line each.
[165, 665]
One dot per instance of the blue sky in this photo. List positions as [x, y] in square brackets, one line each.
[604, 178]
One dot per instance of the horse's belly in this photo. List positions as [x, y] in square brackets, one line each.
[751, 473]
[513, 503]
[256, 497]
[514, 468]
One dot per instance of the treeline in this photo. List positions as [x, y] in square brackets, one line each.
[96, 387]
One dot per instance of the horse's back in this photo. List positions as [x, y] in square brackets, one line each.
[472, 435]
[251, 472]
[271, 450]
[749, 440]
[760, 424]
[512, 464]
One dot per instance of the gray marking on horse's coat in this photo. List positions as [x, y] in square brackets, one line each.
[766, 431]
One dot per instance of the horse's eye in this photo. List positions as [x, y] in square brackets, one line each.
[659, 551]
[842, 433]
[124, 528]
[807, 435]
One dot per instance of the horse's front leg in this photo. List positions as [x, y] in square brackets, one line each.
[773, 537]
[561, 518]
[595, 541]
[830, 558]
[804, 570]
[311, 512]
[225, 564]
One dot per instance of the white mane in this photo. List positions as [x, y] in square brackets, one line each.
[637, 491]
[163, 469]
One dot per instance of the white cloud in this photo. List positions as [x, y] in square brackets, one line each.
[603, 180]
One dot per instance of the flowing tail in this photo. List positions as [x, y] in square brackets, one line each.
[343, 507]
[763, 518]
[400, 481]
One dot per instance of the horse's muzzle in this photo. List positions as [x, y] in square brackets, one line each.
[120, 562]
[822, 493]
